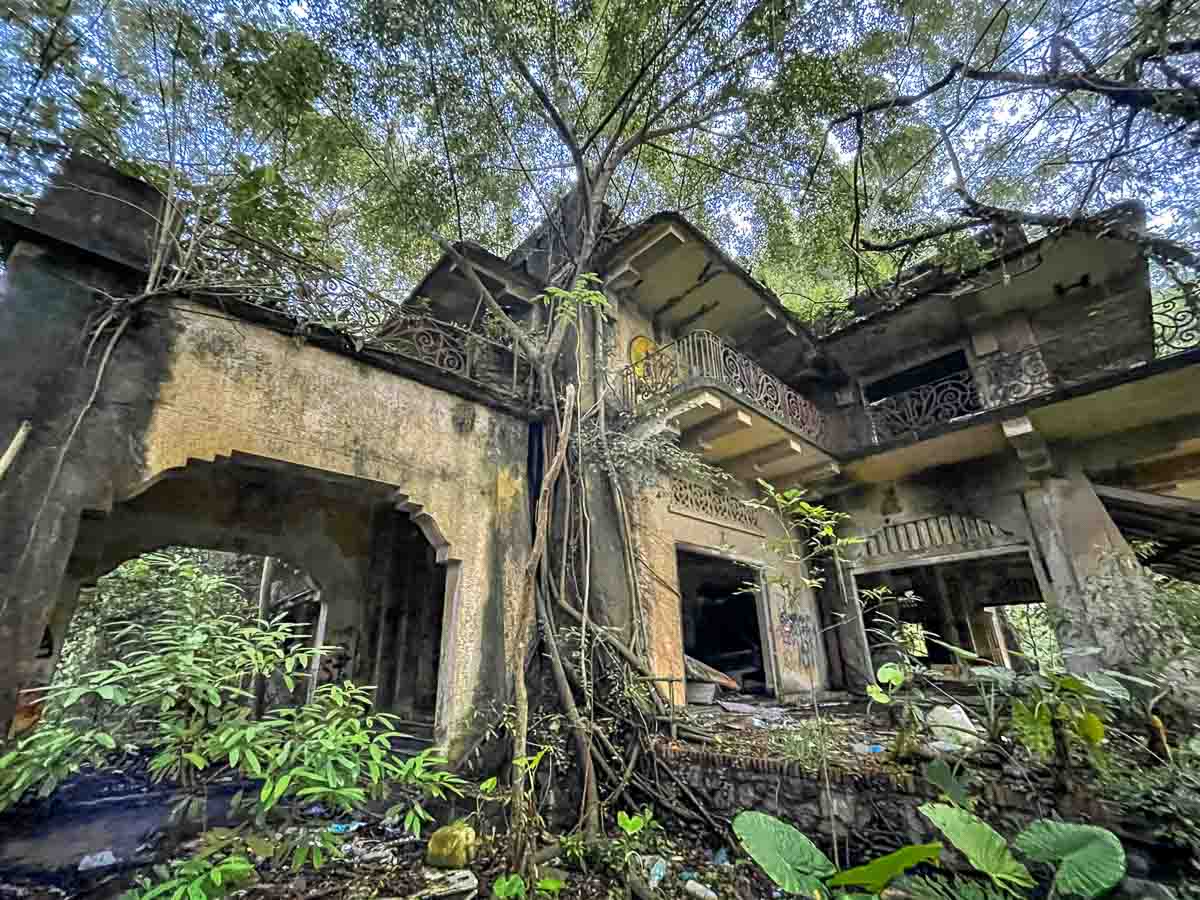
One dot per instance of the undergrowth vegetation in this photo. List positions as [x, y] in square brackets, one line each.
[175, 687]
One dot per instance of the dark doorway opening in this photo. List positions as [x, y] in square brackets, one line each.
[404, 623]
[721, 625]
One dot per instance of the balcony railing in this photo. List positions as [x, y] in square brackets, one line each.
[703, 359]
[456, 350]
[1094, 351]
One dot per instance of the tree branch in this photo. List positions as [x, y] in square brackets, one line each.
[468, 269]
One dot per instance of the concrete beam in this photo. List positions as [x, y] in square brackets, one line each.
[780, 458]
[1161, 474]
[1125, 448]
[1030, 445]
[702, 436]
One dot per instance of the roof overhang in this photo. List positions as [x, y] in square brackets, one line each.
[452, 297]
[1172, 523]
[683, 282]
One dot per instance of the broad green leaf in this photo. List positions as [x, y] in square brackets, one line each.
[983, 846]
[878, 873]
[791, 860]
[1090, 859]
[938, 774]
[1090, 728]
[875, 692]
[105, 740]
[280, 786]
[890, 673]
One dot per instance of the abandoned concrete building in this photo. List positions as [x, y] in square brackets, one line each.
[994, 436]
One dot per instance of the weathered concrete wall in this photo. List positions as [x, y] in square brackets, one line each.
[1101, 597]
[187, 384]
[47, 312]
[662, 527]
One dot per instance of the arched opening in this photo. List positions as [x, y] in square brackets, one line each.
[358, 569]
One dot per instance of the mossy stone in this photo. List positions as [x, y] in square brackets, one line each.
[451, 846]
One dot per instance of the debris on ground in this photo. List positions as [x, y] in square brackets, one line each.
[101, 860]
[697, 671]
[952, 725]
[460, 884]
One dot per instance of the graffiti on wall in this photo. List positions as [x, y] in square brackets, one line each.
[798, 631]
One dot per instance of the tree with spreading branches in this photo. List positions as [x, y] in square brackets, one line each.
[828, 146]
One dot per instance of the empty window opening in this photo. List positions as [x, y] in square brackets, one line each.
[990, 607]
[89, 629]
[908, 379]
[1028, 631]
[721, 626]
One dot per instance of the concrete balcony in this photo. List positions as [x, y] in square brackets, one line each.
[731, 411]
[1096, 353]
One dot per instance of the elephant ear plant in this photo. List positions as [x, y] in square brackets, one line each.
[1088, 861]
[798, 866]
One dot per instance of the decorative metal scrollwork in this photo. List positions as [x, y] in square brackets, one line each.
[703, 357]
[929, 404]
[453, 349]
[1177, 322]
[431, 342]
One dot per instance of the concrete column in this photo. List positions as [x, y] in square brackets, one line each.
[1099, 596]
[60, 624]
[85, 425]
[846, 611]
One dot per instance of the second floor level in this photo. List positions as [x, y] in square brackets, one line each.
[921, 374]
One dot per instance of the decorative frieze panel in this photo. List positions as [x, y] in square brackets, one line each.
[707, 502]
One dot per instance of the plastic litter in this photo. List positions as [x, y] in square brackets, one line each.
[699, 891]
[721, 857]
[448, 883]
[346, 827]
[655, 868]
[867, 748]
[101, 860]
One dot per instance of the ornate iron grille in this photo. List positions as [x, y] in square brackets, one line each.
[916, 409]
[1177, 323]
[702, 357]
[1097, 349]
[458, 351]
